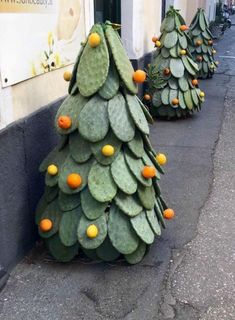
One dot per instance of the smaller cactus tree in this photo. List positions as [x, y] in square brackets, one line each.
[202, 48]
[172, 76]
[102, 190]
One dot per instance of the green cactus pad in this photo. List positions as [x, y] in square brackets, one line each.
[91, 207]
[165, 52]
[138, 255]
[177, 67]
[188, 99]
[202, 21]
[79, 148]
[53, 213]
[152, 157]
[183, 83]
[156, 99]
[93, 66]
[145, 111]
[51, 181]
[136, 166]
[173, 83]
[70, 166]
[153, 221]
[136, 145]
[120, 119]
[71, 107]
[142, 228]
[129, 204]
[188, 66]
[106, 251]
[91, 243]
[68, 227]
[122, 175]
[51, 193]
[194, 96]
[169, 24]
[146, 196]
[159, 210]
[111, 85]
[101, 183]
[93, 120]
[55, 157]
[165, 94]
[120, 231]
[137, 113]
[73, 80]
[181, 100]
[171, 39]
[59, 251]
[183, 41]
[91, 254]
[68, 202]
[121, 59]
[110, 139]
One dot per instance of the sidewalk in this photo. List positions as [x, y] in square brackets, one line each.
[187, 274]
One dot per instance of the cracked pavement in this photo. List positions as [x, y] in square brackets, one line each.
[188, 273]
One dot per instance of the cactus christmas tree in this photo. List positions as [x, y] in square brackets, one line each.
[172, 76]
[102, 194]
[202, 45]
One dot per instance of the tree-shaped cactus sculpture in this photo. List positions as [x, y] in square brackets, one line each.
[102, 193]
[172, 76]
[202, 45]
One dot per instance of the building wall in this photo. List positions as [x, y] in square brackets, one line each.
[139, 23]
[20, 100]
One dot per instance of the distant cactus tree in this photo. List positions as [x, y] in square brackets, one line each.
[102, 194]
[202, 48]
[172, 75]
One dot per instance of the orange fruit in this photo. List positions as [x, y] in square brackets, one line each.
[64, 122]
[199, 58]
[139, 76]
[161, 158]
[194, 82]
[183, 52]
[67, 75]
[148, 172]
[154, 39]
[167, 71]
[45, 225]
[198, 43]
[210, 42]
[158, 43]
[175, 102]
[92, 231]
[52, 170]
[214, 51]
[94, 39]
[147, 97]
[217, 63]
[184, 27]
[168, 214]
[74, 180]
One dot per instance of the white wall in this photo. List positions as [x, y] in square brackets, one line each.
[141, 19]
[19, 100]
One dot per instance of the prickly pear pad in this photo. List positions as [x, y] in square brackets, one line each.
[97, 198]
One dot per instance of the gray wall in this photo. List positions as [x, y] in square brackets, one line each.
[23, 145]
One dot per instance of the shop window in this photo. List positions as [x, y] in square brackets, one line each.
[107, 10]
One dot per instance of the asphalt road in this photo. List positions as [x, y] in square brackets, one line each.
[187, 274]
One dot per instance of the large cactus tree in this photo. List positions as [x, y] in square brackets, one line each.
[102, 193]
[179, 95]
[202, 48]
